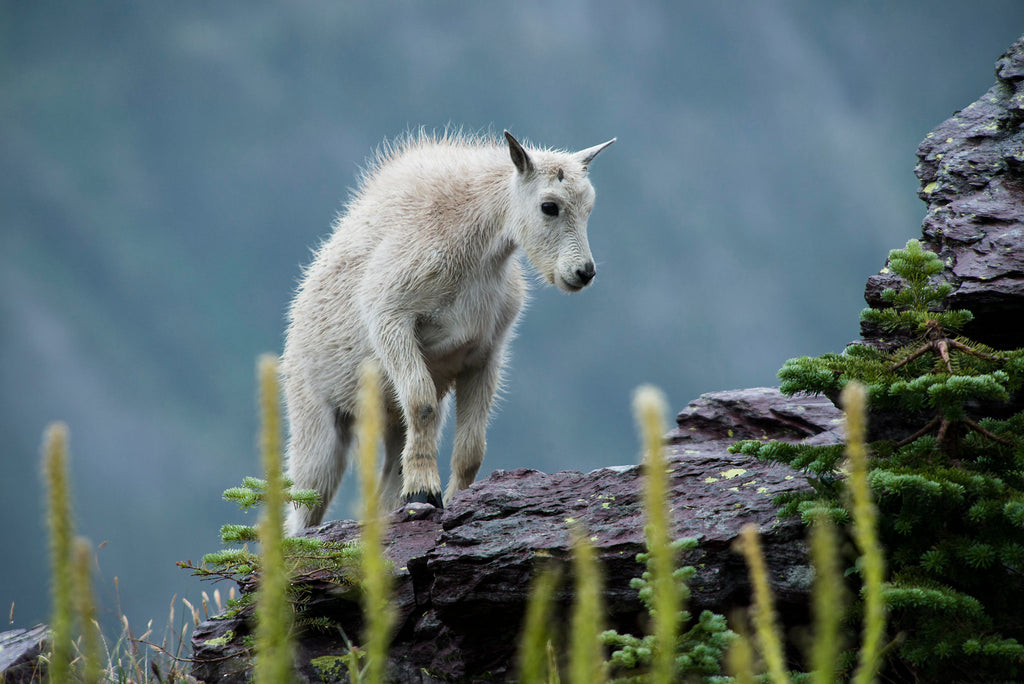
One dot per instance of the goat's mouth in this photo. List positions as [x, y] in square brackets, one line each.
[566, 284]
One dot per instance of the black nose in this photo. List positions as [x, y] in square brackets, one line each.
[587, 273]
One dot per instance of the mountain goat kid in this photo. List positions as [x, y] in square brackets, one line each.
[421, 275]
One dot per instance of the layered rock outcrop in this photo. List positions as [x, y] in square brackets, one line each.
[463, 574]
[971, 169]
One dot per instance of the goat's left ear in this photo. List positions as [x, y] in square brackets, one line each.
[519, 156]
[586, 156]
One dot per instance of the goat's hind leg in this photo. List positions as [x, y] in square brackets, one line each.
[391, 473]
[317, 453]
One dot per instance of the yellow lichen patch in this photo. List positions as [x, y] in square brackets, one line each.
[752, 482]
[930, 188]
[710, 479]
[762, 490]
[789, 477]
[733, 472]
[221, 641]
[329, 666]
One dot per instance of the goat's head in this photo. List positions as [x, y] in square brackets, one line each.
[551, 201]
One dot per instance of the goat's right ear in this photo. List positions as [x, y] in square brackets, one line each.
[519, 156]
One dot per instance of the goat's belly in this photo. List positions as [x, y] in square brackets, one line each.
[445, 366]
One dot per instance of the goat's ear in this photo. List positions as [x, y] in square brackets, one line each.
[586, 156]
[519, 156]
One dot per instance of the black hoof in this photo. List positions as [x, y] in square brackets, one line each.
[432, 498]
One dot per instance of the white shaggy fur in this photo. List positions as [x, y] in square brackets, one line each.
[421, 274]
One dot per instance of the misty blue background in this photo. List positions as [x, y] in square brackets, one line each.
[165, 169]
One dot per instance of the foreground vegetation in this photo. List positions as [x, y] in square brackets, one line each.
[673, 651]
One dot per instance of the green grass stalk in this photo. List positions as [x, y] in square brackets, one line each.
[865, 533]
[273, 609]
[533, 660]
[553, 675]
[765, 623]
[377, 609]
[739, 660]
[826, 600]
[649, 407]
[92, 653]
[586, 659]
[58, 507]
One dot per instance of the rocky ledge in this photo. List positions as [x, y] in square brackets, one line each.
[463, 574]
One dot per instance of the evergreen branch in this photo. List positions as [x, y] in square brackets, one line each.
[960, 346]
[932, 424]
[916, 355]
[982, 431]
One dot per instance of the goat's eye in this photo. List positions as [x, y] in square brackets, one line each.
[549, 208]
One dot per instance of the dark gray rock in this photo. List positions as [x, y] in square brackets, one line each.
[19, 654]
[463, 575]
[971, 169]
[725, 417]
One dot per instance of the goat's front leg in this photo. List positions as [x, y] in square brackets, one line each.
[474, 391]
[394, 342]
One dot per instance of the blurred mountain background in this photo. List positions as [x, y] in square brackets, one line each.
[165, 169]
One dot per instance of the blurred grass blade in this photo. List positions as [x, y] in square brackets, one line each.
[533, 656]
[649, 407]
[826, 600]
[586, 660]
[377, 608]
[273, 609]
[865, 532]
[763, 610]
[58, 517]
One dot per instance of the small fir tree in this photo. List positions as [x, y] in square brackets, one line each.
[698, 648]
[950, 492]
